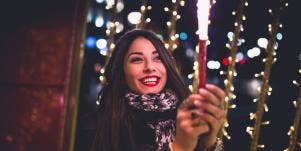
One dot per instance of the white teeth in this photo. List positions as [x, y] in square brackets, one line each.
[150, 80]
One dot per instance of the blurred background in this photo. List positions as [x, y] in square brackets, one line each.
[175, 21]
[53, 54]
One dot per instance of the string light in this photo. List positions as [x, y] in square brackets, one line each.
[293, 131]
[231, 72]
[265, 89]
[252, 116]
[143, 11]
[266, 123]
[296, 83]
[113, 27]
[171, 24]
[295, 104]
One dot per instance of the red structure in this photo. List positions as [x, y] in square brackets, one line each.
[41, 49]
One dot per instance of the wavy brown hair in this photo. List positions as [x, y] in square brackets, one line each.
[114, 123]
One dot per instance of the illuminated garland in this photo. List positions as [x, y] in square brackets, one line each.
[143, 10]
[171, 44]
[110, 32]
[293, 132]
[265, 89]
[229, 88]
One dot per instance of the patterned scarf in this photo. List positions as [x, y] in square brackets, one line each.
[165, 101]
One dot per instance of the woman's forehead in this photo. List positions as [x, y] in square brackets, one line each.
[141, 44]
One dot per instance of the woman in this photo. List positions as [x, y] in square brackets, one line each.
[142, 103]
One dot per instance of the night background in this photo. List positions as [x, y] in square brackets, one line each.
[42, 64]
[250, 54]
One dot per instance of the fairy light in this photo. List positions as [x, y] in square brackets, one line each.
[113, 27]
[148, 20]
[231, 71]
[257, 75]
[182, 3]
[222, 72]
[259, 89]
[166, 9]
[228, 46]
[171, 24]
[233, 106]
[143, 9]
[293, 131]
[97, 102]
[266, 109]
[244, 18]
[190, 87]
[252, 116]
[296, 83]
[265, 89]
[168, 23]
[190, 76]
[260, 146]
[265, 123]
[250, 130]
[195, 73]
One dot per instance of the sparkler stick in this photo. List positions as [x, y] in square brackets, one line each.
[203, 14]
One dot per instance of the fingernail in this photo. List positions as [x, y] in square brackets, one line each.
[197, 103]
[209, 86]
[202, 91]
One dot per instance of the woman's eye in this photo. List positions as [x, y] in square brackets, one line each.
[157, 58]
[135, 60]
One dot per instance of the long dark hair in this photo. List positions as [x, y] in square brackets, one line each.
[114, 123]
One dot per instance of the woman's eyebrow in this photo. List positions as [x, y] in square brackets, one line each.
[155, 52]
[134, 53]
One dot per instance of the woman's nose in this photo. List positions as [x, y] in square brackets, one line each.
[149, 67]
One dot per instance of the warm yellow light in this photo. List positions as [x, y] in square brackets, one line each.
[168, 23]
[142, 8]
[166, 9]
[296, 83]
[260, 146]
[182, 3]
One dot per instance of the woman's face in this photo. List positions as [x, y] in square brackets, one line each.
[144, 71]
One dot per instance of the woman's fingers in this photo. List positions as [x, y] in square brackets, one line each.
[200, 115]
[193, 127]
[216, 90]
[190, 122]
[215, 111]
[210, 97]
[191, 102]
[200, 126]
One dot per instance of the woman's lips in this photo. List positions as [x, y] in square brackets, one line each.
[150, 81]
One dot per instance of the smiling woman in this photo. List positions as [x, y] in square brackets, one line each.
[142, 103]
[144, 71]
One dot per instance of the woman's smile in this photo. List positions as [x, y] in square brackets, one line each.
[150, 81]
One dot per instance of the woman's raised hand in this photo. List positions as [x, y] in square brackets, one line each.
[199, 118]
